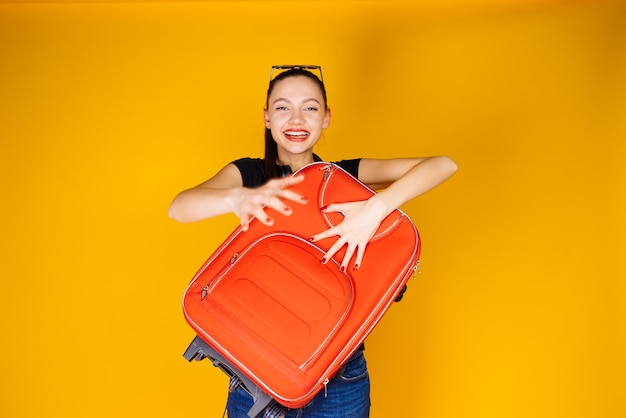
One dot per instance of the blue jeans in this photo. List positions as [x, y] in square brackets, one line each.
[347, 395]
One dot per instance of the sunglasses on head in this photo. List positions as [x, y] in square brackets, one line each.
[277, 69]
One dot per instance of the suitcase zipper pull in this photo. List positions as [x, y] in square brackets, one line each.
[327, 172]
[205, 289]
[416, 269]
[326, 388]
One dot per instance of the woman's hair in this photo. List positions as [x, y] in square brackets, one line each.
[271, 149]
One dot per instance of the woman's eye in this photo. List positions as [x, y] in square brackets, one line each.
[311, 108]
[281, 107]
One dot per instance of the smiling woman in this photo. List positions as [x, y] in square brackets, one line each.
[296, 113]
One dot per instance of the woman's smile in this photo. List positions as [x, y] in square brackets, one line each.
[296, 135]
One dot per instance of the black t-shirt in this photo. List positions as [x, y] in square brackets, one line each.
[251, 169]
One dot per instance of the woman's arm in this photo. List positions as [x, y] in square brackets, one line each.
[224, 193]
[404, 178]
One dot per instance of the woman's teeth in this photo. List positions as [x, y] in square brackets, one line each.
[299, 134]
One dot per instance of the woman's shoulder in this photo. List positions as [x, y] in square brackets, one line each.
[251, 170]
[248, 161]
[351, 166]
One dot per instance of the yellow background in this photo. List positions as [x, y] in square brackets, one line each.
[107, 110]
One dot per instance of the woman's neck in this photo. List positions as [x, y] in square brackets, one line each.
[296, 162]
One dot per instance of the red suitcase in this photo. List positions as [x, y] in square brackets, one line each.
[266, 310]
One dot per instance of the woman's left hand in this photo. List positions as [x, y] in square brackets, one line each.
[361, 221]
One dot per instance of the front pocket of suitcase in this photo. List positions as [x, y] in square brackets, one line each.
[277, 290]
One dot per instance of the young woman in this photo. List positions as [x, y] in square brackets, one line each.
[296, 113]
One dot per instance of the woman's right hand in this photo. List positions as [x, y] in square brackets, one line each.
[224, 193]
[252, 203]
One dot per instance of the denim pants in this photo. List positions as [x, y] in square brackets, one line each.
[347, 395]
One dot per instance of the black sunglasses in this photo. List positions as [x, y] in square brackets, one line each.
[282, 68]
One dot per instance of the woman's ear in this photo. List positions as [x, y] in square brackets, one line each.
[326, 123]
[266, 118]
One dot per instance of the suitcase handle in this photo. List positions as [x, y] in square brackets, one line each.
[263, 403]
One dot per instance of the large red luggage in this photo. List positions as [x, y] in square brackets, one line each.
[267, 311]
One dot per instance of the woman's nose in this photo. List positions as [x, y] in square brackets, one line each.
[296, 116]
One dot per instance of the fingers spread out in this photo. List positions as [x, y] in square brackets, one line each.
[271, 195]
[354, 232]
[352, 250]
[293, 180]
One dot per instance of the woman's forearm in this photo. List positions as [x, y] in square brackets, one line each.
[200, 203]
[224, 194]
[422, 177]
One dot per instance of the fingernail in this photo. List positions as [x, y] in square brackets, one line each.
[323, 260]
[342, 269]
[356, 267]
[324, 208]
[311, 239]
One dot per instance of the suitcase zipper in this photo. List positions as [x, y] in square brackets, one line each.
[205, 289]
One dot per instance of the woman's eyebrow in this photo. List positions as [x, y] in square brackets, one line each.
[282, 99]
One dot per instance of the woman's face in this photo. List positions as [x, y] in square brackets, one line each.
[296, 114]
